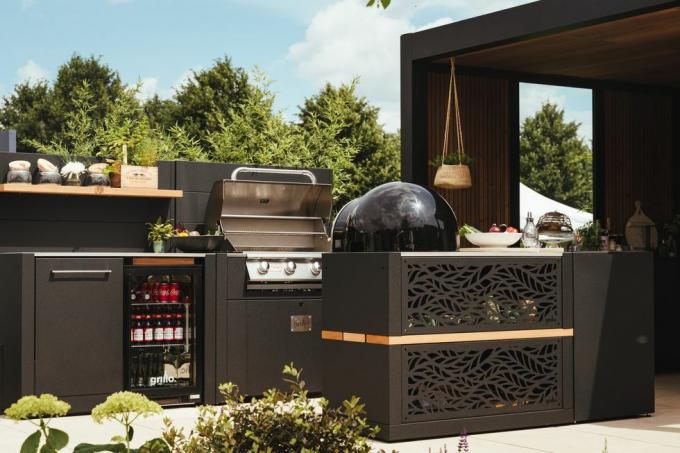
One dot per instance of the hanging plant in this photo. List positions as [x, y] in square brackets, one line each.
[453, 171]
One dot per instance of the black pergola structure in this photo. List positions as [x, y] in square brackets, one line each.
[626, 51]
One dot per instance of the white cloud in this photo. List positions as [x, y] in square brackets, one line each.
[184, 78]
[31, 72]
[347, 39]
[25, 4]
[148, 88]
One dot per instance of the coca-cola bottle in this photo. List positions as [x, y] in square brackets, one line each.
[168, 329]
[158, 329]
[148, 330]
[178, 333]
[137, 330]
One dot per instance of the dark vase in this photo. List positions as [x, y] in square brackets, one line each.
[114, 177]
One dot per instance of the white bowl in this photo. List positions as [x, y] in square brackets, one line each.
[493, 239]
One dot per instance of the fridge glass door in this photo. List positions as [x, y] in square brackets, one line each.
[162, 318]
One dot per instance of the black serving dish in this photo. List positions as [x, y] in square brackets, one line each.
[198, 244]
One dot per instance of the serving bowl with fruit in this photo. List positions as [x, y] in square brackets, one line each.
[195, 242]
[497, 236]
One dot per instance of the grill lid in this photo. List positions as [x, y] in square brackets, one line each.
[271, 215]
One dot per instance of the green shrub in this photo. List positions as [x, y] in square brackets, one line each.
[278, 422]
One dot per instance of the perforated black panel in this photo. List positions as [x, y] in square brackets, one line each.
[482, 295]
[462, 380]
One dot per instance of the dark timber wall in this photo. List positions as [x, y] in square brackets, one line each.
[484, 105]
[639, 155]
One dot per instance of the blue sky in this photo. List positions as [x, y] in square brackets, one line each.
[300, 44]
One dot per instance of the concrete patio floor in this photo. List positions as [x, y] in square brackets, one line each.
[659, 433]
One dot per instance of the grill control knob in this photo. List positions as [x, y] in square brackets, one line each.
[289, 267]
[262, 267]
[315, 267]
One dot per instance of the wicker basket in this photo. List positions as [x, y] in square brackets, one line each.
[453, 177]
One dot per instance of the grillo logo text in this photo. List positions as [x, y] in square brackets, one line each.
[157, 380]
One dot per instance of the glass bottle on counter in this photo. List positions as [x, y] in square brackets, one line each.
[530, 233]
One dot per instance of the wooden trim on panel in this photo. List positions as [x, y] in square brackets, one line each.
[446, 337]
[163, 261]
[98, 191]
[331, 335]
[354, 337]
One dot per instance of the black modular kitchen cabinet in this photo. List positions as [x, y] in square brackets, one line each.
[63, 328]
[259, 330]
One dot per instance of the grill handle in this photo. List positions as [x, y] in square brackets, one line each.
[274, 171]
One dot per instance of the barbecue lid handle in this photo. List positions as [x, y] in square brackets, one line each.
[276, 171]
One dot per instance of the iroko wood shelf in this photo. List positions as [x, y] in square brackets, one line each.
[97, 191]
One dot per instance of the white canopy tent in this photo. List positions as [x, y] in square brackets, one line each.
[530, 200]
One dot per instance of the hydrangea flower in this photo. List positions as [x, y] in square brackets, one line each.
[32, 406]
[124, 404]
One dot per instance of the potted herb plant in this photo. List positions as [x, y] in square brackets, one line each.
[589, 236]
[159, 232]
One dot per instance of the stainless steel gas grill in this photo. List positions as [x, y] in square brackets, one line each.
[274, 221]
[280, 226]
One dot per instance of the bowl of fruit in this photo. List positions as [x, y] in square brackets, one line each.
[196, 242]
[497, 236]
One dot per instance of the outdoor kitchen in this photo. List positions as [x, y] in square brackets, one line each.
[433, 299]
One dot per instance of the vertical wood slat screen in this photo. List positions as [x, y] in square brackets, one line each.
[484, 116]
[638, 156]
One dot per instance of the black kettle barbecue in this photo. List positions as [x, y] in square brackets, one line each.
[394, 217]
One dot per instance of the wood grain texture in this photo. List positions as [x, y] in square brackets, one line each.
[163, 261]
[638, 156]
[484, 116]
[639, 49]
[446, 337]
[101, 191]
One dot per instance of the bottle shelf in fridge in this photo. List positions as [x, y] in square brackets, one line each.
[164, 345]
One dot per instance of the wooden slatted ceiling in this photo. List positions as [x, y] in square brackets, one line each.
[638, 156]
[484, 108]
[640, 49]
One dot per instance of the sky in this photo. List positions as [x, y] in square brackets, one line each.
[299, 44]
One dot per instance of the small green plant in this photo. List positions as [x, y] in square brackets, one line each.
[279, 422]
[43, 408]
[589, 236]
[160, 230]
[125, 408]
[451, 159]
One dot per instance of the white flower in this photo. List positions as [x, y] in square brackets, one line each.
[72, 168]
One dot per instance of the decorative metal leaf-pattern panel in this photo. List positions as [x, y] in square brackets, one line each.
[482, 296]
[451, 381]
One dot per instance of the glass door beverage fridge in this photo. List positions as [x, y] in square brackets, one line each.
[163, 351]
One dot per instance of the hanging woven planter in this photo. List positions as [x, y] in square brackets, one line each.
[452, 172]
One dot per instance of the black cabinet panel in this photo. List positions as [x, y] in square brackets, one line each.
[613, 335]
[269, 343]
[79, 326]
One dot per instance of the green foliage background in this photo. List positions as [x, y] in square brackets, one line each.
[221, 114]
[554, 160]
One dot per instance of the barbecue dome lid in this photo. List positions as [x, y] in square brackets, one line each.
[400, 216]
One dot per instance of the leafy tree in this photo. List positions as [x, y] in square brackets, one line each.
[554, 160]
[378, 153]
[104, 84]
[205, 101]
[31, 110]
[40, 112]
[258, 135]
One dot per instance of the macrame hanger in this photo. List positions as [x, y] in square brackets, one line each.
[453, 93]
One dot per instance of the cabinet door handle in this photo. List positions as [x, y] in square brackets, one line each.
[83, 272]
